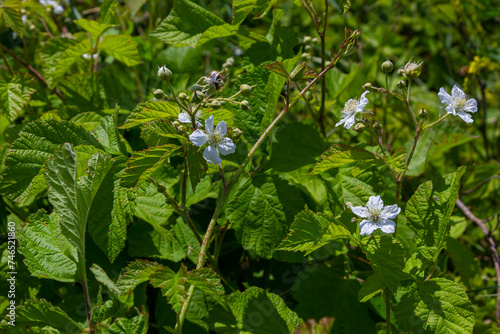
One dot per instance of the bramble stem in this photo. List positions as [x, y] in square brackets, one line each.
[387, 311]
[436, 122]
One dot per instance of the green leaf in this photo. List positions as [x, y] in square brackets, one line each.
[10, 11]
[157, 132]
[185, 24]
[103, 278]
[51, 54]
[397, 162]
[278, 68]
[136, 272]
[151, 111]
[22, 177]
[311, 231]
[73, 188]
[243, 8]
[197, 166]
[121, 47]
[219, 31]
[207, 280]
[107, 134]
[372, 287]
[47, 253]
[70, 56]
[172, 285]
[339, 155]
[464, 260]
[94, 28]
[387, 256]
[429, 210]
[41, 313]
[345, 5]
[257, 311]
[14, 95]
[296, 145]
[135, 325]
[436, 306]
[258, 216]
[108, 12]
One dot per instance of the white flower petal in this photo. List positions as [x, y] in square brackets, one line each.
[362, 102]
[342, 121]
[209, 124]
[367, 227]
[445, 97]
[349, 121]
[390, 211]
[375, 203]
[221, 128]
[184, 117]
[211, 155]
[465, 116]
[198, 138]
[226, 146]
[360, 211]
[457, 93]
[387, 226]
[451, 110]
[471, 105]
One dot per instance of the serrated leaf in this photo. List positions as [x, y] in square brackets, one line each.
[70, 56]
[103, 278]
[151, 111]
[14, 95]
[156, 133]
[41, 313]
[72, 190]
[311, 231]
[47, 253]
[94, 28]
[11, 13]
[51, 53]
[429, 210]
[185, 24]
[136, 273]
[197, 166]
[172, 285]
[387, 257]
[135, 325]
[339, 155]
[278, 68]
[219, 31]
[121, 47]
[372, 287]
[107, 134]
[207, 280]
[28, 154]
[241, 9]
[397, 162]
[258, 311]
[436, 306]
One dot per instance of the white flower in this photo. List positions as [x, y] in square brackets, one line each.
[217, 142]
[377, 216]
[351, 108]
[86, 56]
[457, 104]
[56, 6]
[185, 118]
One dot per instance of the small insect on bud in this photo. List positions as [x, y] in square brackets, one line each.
[183, 97]
[422, 113]
[401, 84]
[245, 105]
[246, 90]
[164, 74]
[215, 104]
[159, 94]
[387, 66]
[236, 134]
[360, 127]
[367, 85]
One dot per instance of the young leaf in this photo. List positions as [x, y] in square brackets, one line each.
[94, 28]
[151, 111]
[10, 12]
[136, 273]
[136, 325]
[72, 189]
[14, 95]
[397, 162]
[69, 57]
[435, 306]
[197, 166]
[121, 47]
[339, 155]
[429, 210]
[172, 285]
[47, 253]
[107, 134]
[279, 68]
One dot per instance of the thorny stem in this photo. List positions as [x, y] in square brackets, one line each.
[32, 70]
[233, 181]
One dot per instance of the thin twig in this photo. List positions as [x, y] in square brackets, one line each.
[491, 241]
[481, 184]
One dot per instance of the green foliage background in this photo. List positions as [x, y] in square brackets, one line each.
[80, 139]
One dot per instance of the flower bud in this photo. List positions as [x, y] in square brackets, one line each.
[401, 71]
[367, 85]
[377, 126]
[198, 96]
[215, 104]
[422, 113]
[236, 134]
[412, 69]
[181, 128]
[307, 39]
[246, 90]
[387, 66]
[176, 123]
[360, 127]
[314, 40]
[159, 94]
[305, 56]
[183, 97]
[164, 74]
[161, 188]
[229, 62]
[401, 84]
[245, 105]
[298, 71]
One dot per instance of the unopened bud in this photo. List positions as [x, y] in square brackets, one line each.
[422, 113]
[198, 96]
[181, 128]
[229, 62]
[161, 188]
[236, 134]
[245, 105]
[412, 69]
[387, 66]
[367, 85]
[307, 39]
[314, 40]
[158, 94]
[377, 126]
[246, 90]
[164, 74]
[305, 56]
[215, 104]
[176, 123]
[401, 71]
[401, 84]
[360, 127]
[298, 71]
[183, 97]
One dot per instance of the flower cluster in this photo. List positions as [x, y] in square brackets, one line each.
[377, 216]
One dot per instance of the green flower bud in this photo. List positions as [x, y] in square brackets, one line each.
[198, 96]
[367, 85]
[215, 104]
[298, 71]
[412, 69]
[161, 188]
[305, 56]
[236, 134]
[314, 40]
[377, 126]
[181, 128]
[307, 39]
[176, 123]
[245, 105]
[164, 74]
[360, 127]
[401, 84]
[387, 66]
[246, 90]
[158, 94]
[183, 97]
[422, 113]
[401, 71]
